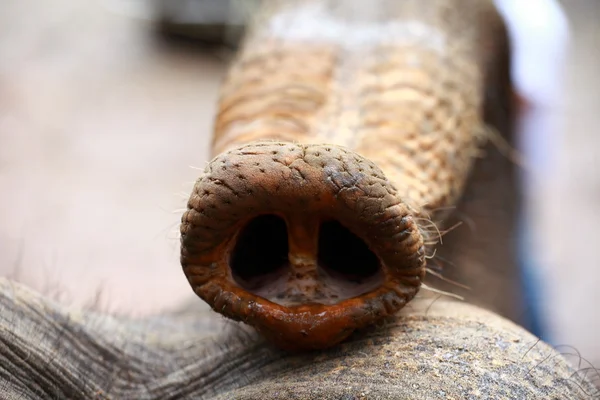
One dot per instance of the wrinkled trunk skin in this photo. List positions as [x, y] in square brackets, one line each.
[368, 117]
[434, 347]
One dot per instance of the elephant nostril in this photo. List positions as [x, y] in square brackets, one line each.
[342, 267]
[345, 255]
[260, 254]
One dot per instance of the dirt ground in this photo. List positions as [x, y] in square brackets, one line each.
[101, 127]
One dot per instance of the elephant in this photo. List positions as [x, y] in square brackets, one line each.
[365, 135]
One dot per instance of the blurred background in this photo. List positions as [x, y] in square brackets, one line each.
[104, 123]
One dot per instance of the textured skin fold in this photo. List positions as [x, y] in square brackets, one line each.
[49, 352]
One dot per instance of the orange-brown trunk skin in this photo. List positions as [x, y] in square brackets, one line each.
[372, 115]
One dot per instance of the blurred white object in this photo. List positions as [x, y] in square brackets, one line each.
[539, 35]
[539, 32]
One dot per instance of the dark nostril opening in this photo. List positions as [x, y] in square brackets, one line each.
[345, 254]
[261, 249]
